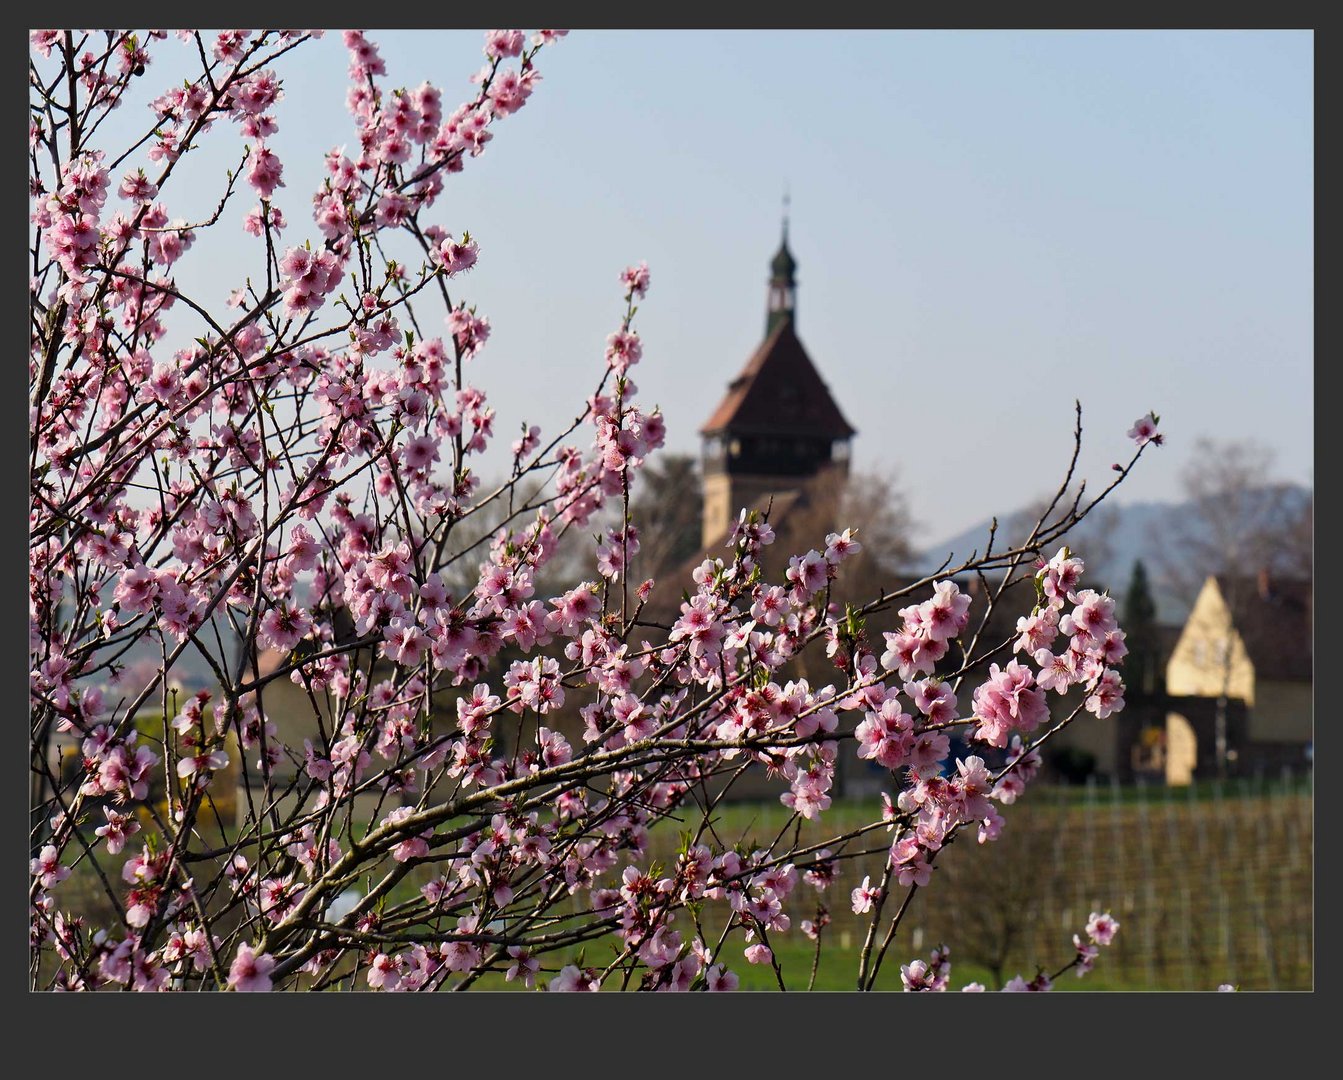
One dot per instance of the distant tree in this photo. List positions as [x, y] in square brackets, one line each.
[667, 503]
[1241, 519]
[1142, 665]
[879, 509]
[1298, 554]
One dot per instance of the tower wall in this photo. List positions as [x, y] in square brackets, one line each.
[726, 494]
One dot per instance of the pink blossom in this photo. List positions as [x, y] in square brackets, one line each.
[758, 954]
[420, 453]
[907, 857]
[572, 978]
[1008, 702]
[284, 627]
[1019, 985]
[992, 824]
[1057, 672]
[719, 979]
[1101, 927]
[256, 220]
[1107, 696]
[524, 966]
[841, 546]
[503, 43]
[413, 847]
[201, 764]
[1092, 617]
[623, 350]
[382, 973]
[138, 188]
[456, 255]
[119, 828]
[44, 40]
[972, 786]
[945, 615]
[1059, 578]
[510, 90]
[136, 590]
[250, 972]
[1086, 955]
[864, 895]
[934, 699]
[634, 280]
[264, 171]
[47, 868]
[808, 573]
[1037, 631]
[914, 975]
[911, 652]
[1144, 430]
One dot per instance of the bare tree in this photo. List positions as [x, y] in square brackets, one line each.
[877, 506]
[1241, 520]
[668, 502]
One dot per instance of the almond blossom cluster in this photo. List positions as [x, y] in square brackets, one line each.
[426, 754]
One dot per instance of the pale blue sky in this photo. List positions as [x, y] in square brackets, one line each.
[987, 226]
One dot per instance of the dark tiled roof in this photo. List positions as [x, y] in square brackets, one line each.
[1273, 618]
[779, 391]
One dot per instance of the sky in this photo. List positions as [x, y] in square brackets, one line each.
[988, 226]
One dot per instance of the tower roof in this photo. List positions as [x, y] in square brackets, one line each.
[779, 391]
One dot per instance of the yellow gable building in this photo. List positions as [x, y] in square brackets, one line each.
[1247, 647]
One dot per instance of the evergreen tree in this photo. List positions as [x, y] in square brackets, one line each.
[1141, 667]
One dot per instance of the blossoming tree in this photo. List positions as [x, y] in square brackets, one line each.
[287, 495]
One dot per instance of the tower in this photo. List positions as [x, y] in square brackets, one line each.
[777, 430]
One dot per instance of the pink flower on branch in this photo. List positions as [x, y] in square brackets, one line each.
[250, 971]
[1144, 430]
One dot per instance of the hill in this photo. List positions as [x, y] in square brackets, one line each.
[1168, 537]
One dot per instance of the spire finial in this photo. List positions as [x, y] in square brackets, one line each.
[785, 212]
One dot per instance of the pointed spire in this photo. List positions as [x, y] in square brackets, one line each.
[782, 282]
